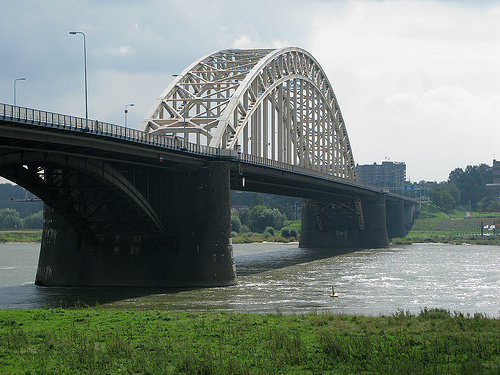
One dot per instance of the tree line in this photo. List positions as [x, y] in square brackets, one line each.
[10, 219]
[263, 213]
[467, 187]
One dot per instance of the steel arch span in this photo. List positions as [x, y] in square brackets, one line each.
[272, 103]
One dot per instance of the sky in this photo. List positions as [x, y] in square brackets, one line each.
[417, 81]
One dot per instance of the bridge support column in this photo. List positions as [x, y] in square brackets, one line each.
[326, 225]
[195, 209]
[411, 212]
[375, 215]
[396, 220]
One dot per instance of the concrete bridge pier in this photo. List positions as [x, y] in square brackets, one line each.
[194, 208]
[396, 220]
[411, 212]
[336, 224]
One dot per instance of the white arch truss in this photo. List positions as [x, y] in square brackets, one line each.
[277, 104]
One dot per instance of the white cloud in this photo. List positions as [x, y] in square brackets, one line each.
[245, 42]
[123, 50]
[415, 80]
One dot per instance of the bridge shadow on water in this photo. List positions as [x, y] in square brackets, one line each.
[251, 264]
[247, 264]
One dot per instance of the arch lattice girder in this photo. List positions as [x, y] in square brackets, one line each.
[277, 104]
[197, 97]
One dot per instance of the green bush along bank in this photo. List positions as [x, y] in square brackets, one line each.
[99, 341]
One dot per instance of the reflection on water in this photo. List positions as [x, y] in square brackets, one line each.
[282, 277]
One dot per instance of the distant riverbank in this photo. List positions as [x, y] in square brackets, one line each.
[454, 240]
[21, 236]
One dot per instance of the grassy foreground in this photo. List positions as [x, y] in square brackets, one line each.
[99, 341]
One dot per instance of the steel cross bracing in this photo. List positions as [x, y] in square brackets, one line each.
[276, 104]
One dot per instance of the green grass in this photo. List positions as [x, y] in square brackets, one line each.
[449, 226]
[98, 341]
[34, 235]
[433, 225]
[431, 222]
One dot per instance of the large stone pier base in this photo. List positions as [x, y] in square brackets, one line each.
[194, 208]
[330, 225]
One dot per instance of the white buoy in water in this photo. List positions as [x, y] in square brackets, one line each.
[333, 293]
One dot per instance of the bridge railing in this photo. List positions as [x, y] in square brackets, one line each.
[50, 119]
[71, 123]
[285, 166]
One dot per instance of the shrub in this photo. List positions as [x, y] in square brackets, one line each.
[285, 232]
[270, 230]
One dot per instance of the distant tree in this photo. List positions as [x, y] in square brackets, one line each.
[260, 217]
[257, 199]
[290, 206]
[236, 225]
[10, 219]
[494, 205]
[34, 221]
[445, 195]
[269, 218]
[471, 182]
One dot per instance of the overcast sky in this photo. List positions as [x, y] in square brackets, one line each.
[417, 81]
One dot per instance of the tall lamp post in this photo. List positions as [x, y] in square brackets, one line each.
[126, 111]
[85, 73]
[15, 81]
[183, 112]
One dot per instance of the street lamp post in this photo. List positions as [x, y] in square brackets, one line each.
[183, 113]
[126, 111]
[184, 117]
[15, 81]
[85, 73]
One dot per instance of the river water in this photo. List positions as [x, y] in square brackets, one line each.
[282, 278]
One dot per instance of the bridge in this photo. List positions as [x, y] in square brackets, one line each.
[152, 206]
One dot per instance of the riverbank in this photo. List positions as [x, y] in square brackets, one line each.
[454, 240]
[21, 236]
[100, 341]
